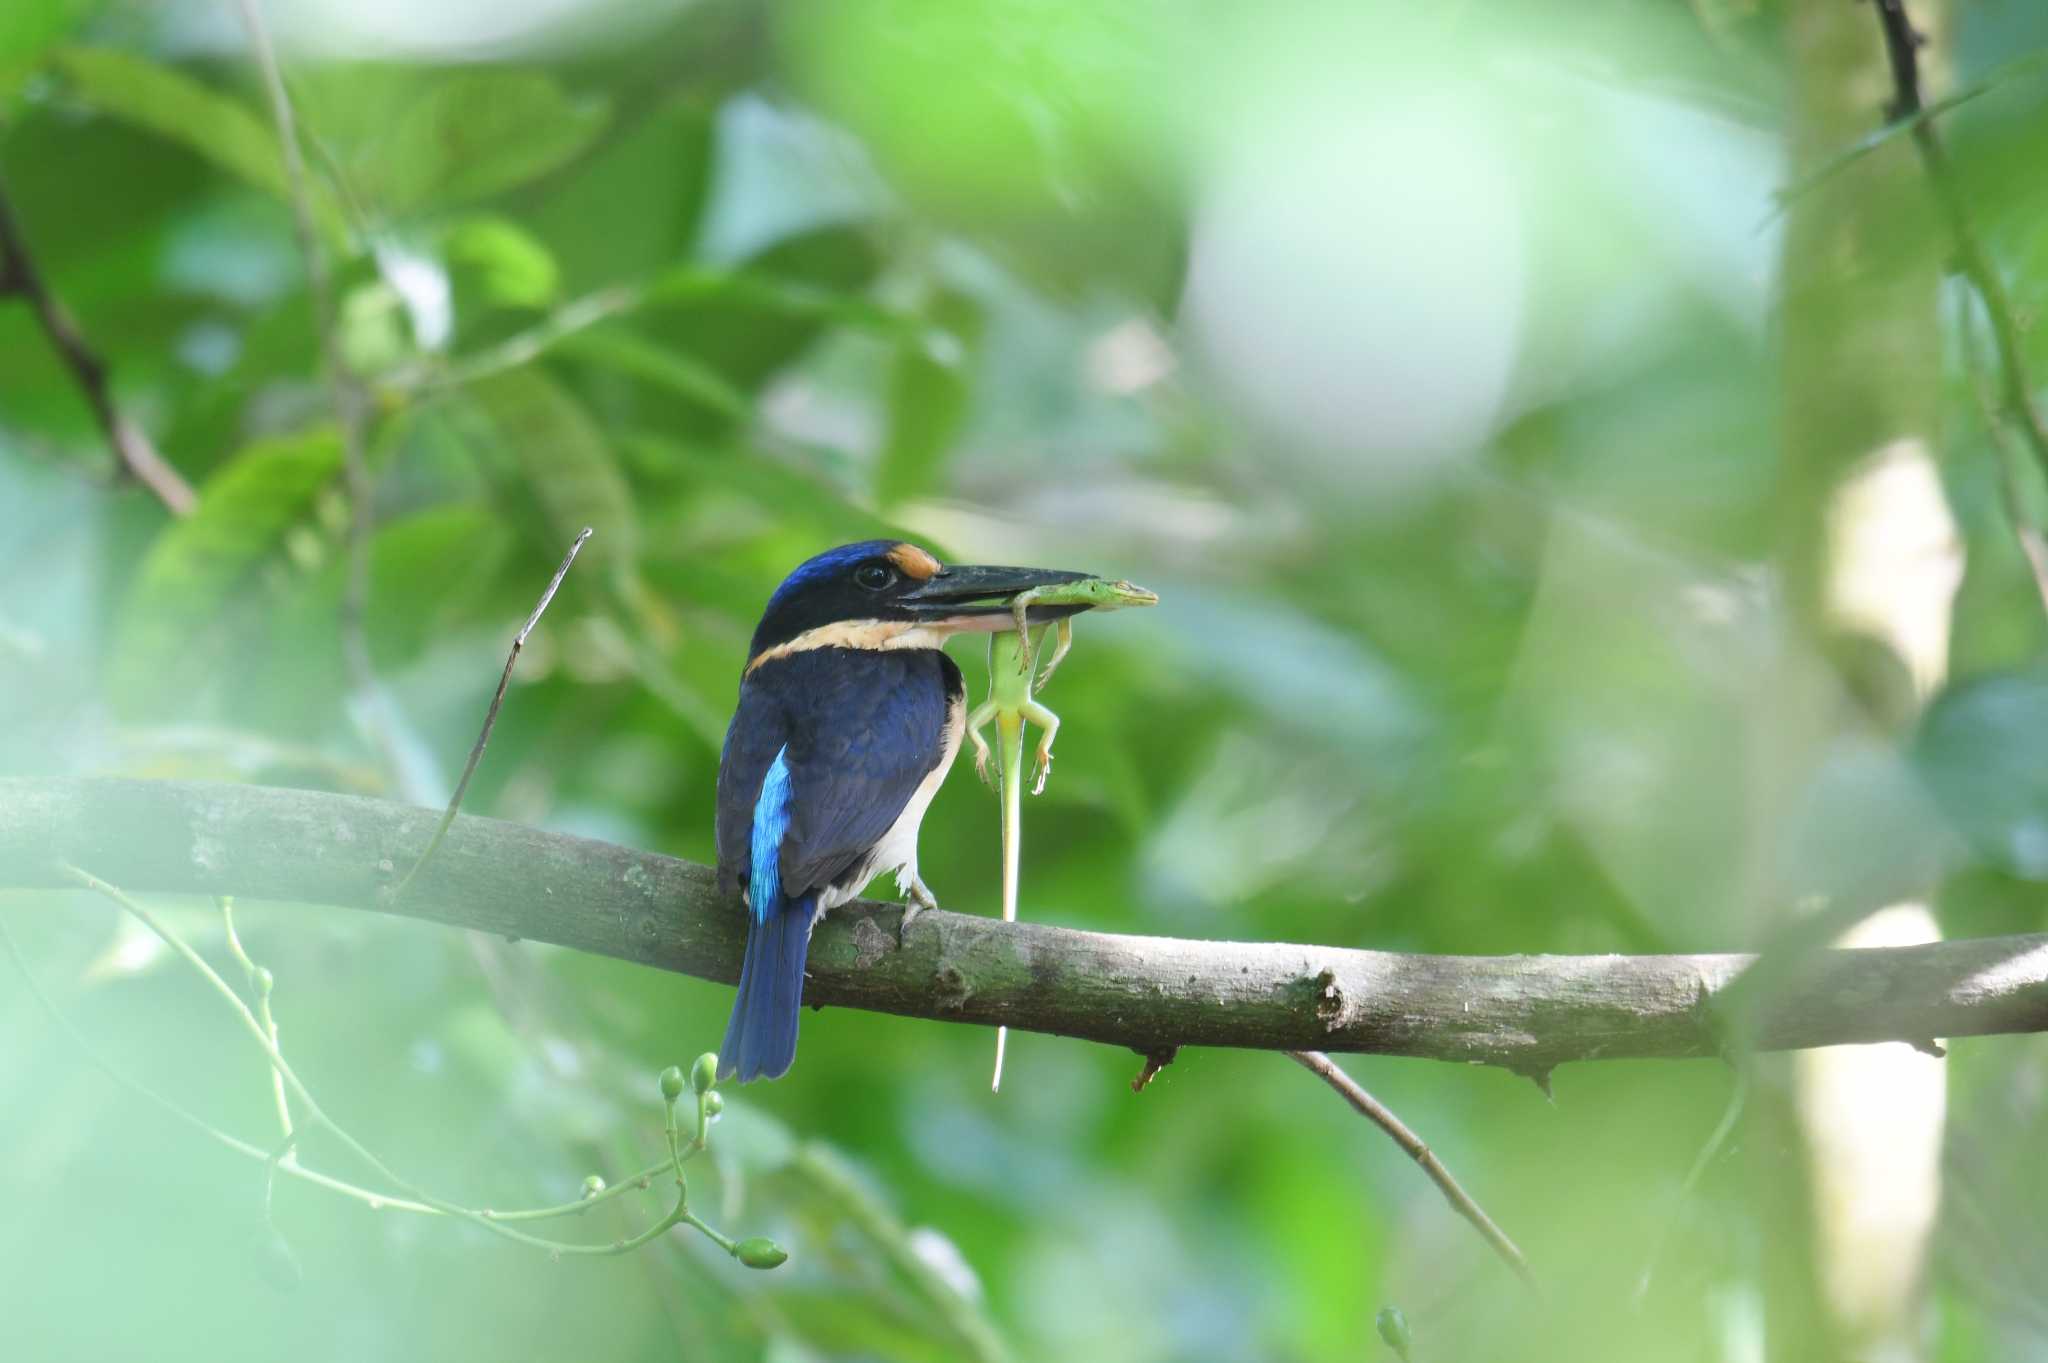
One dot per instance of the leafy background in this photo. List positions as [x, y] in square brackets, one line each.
[1425, 363]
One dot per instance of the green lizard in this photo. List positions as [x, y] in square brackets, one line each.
[1013, 677]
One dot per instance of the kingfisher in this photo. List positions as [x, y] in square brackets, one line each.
[850, 714]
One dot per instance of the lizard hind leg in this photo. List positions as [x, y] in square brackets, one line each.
[1048, 725]
[977, 720]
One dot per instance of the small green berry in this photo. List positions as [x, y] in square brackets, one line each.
[265, 981]
[714, 1103]
[1393, 1328]
[592, 1186]
[760, 1252]
[704, 1073]
[672, 1083]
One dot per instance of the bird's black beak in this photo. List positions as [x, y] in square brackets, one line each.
[974, 596]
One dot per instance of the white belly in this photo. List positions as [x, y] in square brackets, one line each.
[897, 851]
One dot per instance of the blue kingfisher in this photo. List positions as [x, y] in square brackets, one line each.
[850, 714]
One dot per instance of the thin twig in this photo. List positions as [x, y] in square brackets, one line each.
[1378, 1113]
[1902, 47]
[476, 752]
[345, 390]
[1863, 147]
[133, 452]
[679, 1152]
[1738, 1098]
[523, 347]
[370, 1197]
[2010, 459]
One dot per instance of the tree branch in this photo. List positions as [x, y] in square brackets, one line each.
[1527, 1013]
[133, 452]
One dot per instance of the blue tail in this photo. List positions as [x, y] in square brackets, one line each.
[760, 1040]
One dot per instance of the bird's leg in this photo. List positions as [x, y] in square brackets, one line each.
[1048, 724]
[1065, 626]
[918, 898]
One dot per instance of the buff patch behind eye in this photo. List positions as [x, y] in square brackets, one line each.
[914, 562]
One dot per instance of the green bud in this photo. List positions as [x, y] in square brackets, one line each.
[592, 1186]
[714, 1103]
[672, 1083]
[760, 1252]
[704, 1073]
[265, 981]
[1393, 1328]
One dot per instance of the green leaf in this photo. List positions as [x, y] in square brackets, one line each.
[478, 133]
[545, 451]
[1983, 751]
[630, 207]
[196, 567]
[928, 396]
[788, 494]
[749, 324]
[625, 352]
[510, 266]
[459, 547]
[28, 27]
[171, 104]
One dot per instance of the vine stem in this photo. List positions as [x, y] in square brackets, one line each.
[260, 983]
[414, 1196]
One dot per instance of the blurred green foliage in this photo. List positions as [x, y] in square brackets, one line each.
[732, 282]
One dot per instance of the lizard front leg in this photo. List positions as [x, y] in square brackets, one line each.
[1059, 653]
[978, 719]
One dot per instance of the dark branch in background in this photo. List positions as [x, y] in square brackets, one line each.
[134, 455]
[2016, 388]
[1378, 1113]
[1526, 1013]
[476, 752]
[2012, 460]
[346, 391]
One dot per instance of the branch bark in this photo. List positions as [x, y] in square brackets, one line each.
[1526, 1013]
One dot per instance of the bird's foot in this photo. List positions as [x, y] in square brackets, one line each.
[920, 899]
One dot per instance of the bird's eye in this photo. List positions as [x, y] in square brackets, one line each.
[874, 577]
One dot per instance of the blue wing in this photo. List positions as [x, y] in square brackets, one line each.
[869, 728]
[758, 732]
[825, 751]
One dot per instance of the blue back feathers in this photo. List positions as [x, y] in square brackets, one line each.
[771, 821]
[760, 1038]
